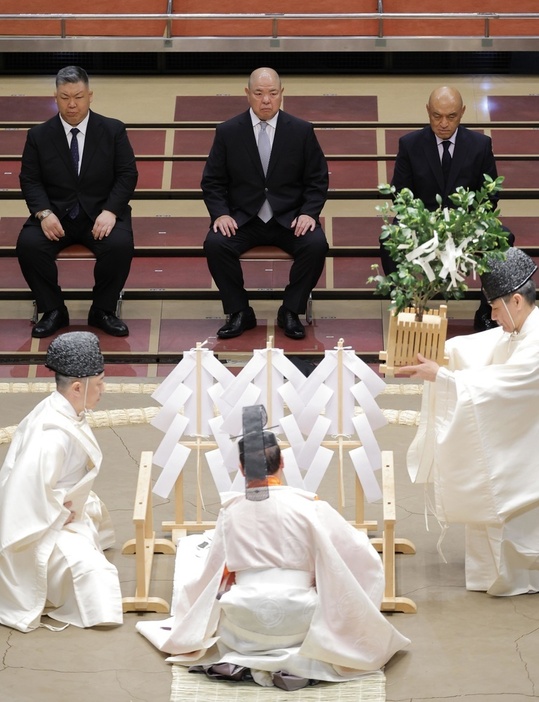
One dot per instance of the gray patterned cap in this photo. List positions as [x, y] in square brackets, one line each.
[507, 276]
[75, 355]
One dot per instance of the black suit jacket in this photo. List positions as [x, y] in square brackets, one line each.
[418, 165]
[233, 181]
[108, 173]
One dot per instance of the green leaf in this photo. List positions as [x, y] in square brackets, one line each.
[470, 234]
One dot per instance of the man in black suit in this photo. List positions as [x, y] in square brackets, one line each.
[422, 167]
[77, 176]
[265, 183]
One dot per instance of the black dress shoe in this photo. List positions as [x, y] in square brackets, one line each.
[107, 322]
[51, 322]
[237, 323]
[289, 322]
[483, 321]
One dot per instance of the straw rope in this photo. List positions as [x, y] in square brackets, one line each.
[103, 418]
[403, 389]
[150, 388]
[144, 415]
[409, 418]
[121, 417]
[110, 388]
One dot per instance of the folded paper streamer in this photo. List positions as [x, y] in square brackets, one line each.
[202, 403]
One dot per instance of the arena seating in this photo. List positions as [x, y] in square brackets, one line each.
[360, 154]
[172, 142]
[275, 18]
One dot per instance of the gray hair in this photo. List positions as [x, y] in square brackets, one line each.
[72, 74]
[528, 292]
[63, 382]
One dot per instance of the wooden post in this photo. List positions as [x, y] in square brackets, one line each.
[269, 381]
[179, 527]
[144, 545]
[390, 602]
[340, 429]
[359, 522]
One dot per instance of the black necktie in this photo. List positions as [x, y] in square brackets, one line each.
[446, 159]
[74, 211]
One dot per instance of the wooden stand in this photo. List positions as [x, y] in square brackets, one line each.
[274, 253]
[144, 545]
[179, 527]
[340, 444]
[408, 337]
[389, 545]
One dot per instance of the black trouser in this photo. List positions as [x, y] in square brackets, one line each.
[223, 255]
[37, 259]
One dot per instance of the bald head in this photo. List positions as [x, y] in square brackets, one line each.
[264, 93]
[445, 109]
[265, 74]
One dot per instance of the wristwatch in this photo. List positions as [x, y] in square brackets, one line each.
[44, 213]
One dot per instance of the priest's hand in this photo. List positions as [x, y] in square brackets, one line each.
[425, 369]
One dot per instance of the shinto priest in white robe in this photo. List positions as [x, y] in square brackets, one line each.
[306, 597]
[477, 442]
[54, 458]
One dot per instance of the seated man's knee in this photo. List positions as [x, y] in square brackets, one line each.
[25, 240]
[215, 243]
[120, 245]
[315, 243]
[23, 249]
[32, 244]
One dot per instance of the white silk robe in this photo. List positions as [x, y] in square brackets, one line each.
[477, 443]
[306, 600]
[54, 458]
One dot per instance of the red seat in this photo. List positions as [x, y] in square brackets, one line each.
[274, 253]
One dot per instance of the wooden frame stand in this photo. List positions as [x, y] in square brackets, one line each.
[144, 545]
[407, 337]
[389, 545]
[180, 527]
[341, 442]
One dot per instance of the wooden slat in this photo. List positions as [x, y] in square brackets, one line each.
[145, 544]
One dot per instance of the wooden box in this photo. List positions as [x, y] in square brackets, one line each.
[407, 337]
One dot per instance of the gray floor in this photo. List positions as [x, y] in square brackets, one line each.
[464, 645]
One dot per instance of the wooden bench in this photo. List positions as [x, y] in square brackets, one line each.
[360, 153]
[271, 254]
[159, 270]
